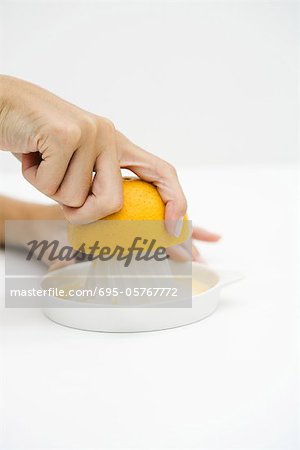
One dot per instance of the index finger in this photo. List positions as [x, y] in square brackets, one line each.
[106, 192]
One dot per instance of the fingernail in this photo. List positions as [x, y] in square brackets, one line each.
[178, 227]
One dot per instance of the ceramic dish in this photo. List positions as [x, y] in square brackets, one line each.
[135, 319]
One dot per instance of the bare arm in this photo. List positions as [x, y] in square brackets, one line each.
[61, 146]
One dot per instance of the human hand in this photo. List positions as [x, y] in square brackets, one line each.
[187, 251]
[61, 147]
[33, 213]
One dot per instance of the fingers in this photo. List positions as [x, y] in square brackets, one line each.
[106, 193]
[46, 174]
[182, 253]
[30, 163]
[162, 175]
[62, 168]
[192, 251]
[66, 180]
[171, 193]
[196, 256]
[178, 253]
[77, 181]
[200, 234]
[65, 172]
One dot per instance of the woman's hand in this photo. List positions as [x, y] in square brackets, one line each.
[12, 209]
[188, 251]
[61, 147]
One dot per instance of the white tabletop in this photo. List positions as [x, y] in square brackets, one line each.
[228, 382]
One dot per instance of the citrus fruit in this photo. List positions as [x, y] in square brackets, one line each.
[142, 215]
[141, 201]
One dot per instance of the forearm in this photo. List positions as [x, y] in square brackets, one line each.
[11, 209]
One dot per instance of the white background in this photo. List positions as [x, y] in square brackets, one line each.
[195, 82]
[208, 85]
[228, 382]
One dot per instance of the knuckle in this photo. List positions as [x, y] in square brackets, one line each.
[106, 126]
[183, 206]
[114, 204]
[114, 207]
[73, 203]
[48, 189]
[169, 170]
[66, 134]
[89, 124]
[117, 204]
[72, 200]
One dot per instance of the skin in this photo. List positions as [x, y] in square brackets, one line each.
[61, 146]
[12, 209]
[75, 158]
